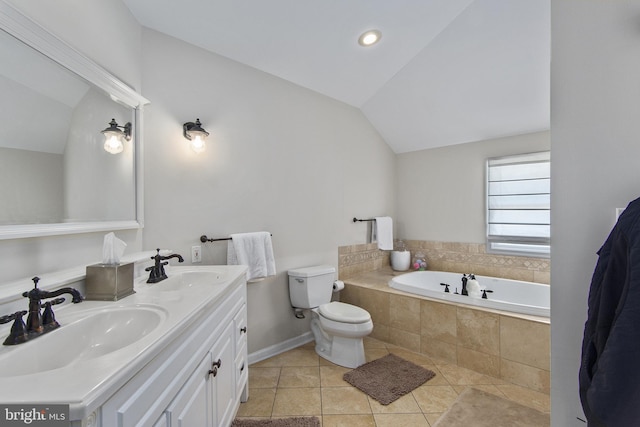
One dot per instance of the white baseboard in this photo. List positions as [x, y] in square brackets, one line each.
[276, 349]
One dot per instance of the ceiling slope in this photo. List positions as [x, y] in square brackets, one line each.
[445, 71]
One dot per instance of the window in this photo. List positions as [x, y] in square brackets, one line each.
[518, 204]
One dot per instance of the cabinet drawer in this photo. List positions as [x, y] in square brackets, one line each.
[242, 370]
[240, 323]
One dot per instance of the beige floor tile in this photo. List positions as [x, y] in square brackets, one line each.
[348, 421]
[297, 401]
[299, 376]
[300, 383]
[405, 405]
[263, 377]
[344, 400]
[489, 388]
[331, 376]
[435, 398]
[374, 353]
[457, 375]
[411, 356]
[260, 403]
[400, 420]
[433, 417]
[373, 343]
[526, 397]
[303, 356]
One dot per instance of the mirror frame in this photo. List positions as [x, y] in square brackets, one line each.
[33, 35]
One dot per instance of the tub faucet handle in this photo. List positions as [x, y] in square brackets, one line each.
[484, 293]
[446, 287]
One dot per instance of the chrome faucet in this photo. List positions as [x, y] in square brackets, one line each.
[38, 322]
[157, 273]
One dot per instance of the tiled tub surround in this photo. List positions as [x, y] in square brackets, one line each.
[514, 348]
[447, 256]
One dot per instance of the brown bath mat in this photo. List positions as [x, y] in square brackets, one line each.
[481, 409]
[277, 422]
[388, 378]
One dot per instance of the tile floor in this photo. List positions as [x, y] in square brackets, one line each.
[300, 383]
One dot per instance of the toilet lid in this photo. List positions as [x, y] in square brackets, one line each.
[341, 312]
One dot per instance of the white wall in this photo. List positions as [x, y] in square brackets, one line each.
[595, 163]
[89, 27]
[280, 158]
[441, 192]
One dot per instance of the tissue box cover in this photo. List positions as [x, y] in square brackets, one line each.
[109, 282]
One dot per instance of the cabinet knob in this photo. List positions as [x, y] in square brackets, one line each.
[214, 367]
[242, 368]
[243, 329]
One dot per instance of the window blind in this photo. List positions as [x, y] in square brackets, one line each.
[518, 204]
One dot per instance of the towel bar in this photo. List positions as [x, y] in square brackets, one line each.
[205, 239]
[362, 220]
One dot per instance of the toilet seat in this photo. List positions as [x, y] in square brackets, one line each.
[344, 313]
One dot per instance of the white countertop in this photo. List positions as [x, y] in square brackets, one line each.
[86, 384]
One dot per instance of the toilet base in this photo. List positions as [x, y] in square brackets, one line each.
[346, 352]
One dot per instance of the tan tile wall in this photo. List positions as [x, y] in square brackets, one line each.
[448, 256]
[357, 259]
[516, 350]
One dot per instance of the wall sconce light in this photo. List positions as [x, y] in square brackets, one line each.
[196, 134]
[114, 137]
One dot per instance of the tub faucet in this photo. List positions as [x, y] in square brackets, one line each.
[464, 285]
[157, 273]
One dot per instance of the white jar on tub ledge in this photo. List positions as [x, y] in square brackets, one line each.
[400, 260]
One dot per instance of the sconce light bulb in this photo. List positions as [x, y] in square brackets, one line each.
[113, 144]
[197, 144]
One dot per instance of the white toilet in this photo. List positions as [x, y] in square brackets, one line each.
[338, 328]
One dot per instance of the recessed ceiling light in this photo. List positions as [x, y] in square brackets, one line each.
[369, 38]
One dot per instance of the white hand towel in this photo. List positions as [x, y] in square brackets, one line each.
[254, 250]
[384, 232]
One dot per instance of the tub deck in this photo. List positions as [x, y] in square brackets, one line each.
[379, 280]
[511, 346]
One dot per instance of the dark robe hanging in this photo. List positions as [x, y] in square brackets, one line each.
[610, 370]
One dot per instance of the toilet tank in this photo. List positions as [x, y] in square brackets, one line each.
[310, 287]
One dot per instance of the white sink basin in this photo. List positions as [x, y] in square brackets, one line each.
[96, 333]
[189, 280]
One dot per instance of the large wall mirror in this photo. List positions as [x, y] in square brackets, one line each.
[55, 176]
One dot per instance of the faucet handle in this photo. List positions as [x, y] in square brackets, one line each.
[49, 321]
[18, 332]
[9, 317]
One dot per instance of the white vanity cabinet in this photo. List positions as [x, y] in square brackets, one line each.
[207, 397]
[197, 380]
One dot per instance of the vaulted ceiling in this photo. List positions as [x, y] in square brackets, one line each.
[445, 71]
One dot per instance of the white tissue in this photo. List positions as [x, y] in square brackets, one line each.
[338, 285]
[112, 249]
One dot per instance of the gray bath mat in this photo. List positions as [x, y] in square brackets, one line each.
[388, 378]
[277, 422]
[481, 409]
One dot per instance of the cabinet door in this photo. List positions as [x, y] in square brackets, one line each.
[162, 422]
[190, 407]
[223, 382]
